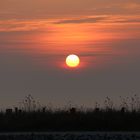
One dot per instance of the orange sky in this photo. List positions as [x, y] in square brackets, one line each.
[37, 35]
[63, 8]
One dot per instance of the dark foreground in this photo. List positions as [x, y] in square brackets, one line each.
[96, 120]
[71, 136]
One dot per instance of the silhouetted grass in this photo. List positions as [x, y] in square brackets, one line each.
[108, 118]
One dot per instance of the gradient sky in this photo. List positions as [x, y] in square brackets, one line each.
[37, 35]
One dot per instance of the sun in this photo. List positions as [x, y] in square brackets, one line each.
[72, 61]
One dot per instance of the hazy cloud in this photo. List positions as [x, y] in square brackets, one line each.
[43, 25]
[102, 19]
[82, 20]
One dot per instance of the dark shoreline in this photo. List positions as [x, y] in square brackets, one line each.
[71, 136]
[101, 120]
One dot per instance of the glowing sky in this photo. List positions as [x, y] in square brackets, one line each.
[37, 35]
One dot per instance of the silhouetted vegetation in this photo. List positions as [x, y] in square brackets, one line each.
[31, 116]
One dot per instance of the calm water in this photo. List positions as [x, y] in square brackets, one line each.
[72, 136]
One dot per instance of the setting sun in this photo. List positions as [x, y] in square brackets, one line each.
[72, 61]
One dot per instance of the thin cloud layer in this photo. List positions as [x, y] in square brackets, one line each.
[102, 19]
[40, 25]
[81, 20]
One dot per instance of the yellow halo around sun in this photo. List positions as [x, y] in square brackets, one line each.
[72, 60]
